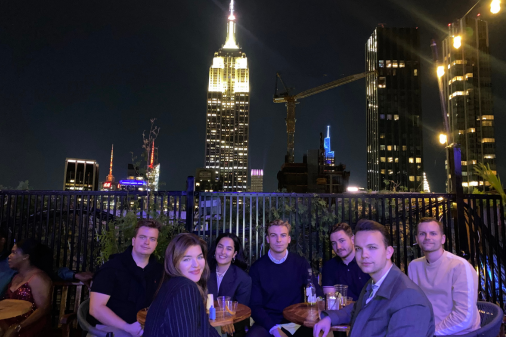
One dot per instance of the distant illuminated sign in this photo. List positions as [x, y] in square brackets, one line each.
[132, 182]
[107, 185]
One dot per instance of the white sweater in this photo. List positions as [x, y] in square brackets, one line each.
[451, 285]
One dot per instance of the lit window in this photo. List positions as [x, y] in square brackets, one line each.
[401, 64]
[418, 160]
[382, 171]
[390, 172]
[390, 159]
[487, 123]
[488, 140]
[382, 116]
[415, 72]
[418, 178]
[404, 148]
[489, 156]
[463, 163]
[411, 178]
[389, 64]
[389, 147]
[382, 135]
[411, 160]
[381, 63]
[382, 159]
[471, 130]
[396, 117]
[382, 82]
[382, 147]
[396, 160]
[488, 117]
[394, 64]
[389, 117]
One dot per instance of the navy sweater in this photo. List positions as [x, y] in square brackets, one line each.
[277, 286]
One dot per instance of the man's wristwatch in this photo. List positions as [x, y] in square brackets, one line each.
[17, 328]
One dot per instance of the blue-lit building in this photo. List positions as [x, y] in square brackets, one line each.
[329, 155]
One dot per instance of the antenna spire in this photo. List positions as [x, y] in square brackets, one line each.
[110, 177]
[152, 154]
[231, 16]
[328, 130]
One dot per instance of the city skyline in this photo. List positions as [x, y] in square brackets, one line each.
[120, 70]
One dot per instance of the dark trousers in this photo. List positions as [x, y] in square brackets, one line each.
[259, 331]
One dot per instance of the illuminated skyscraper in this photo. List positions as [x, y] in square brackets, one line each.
[110, 184]
[227, 121]
[467, 89]
[394, 109]
[80, 175]
[153, 172]
[257, 181]
[329, 155]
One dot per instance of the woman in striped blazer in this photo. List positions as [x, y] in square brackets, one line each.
[179, 307]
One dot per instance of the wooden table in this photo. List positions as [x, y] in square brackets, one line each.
[243, 312]
[307, 316]
[14, 308]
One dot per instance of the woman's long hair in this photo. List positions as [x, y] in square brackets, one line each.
[240, 259]
[40, 255]
[175, 253]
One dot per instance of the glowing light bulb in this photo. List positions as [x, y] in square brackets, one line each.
[457, 42]
[440, 71]
[442, 138]
[495, 6]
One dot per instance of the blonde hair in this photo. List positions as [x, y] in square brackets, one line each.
[278, 223]
[175, 253]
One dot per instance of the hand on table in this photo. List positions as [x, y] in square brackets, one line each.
[322, 325]
[279, 333]
[228, 329]
[135, 329]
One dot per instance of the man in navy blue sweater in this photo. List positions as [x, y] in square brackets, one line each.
[278, 281]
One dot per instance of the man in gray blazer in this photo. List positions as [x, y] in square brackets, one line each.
[390, 304]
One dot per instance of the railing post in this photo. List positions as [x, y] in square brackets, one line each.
[190, 203]
[461, 232]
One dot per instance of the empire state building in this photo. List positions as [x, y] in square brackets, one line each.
[227, 121]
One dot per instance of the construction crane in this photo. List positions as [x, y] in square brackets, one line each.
[292, 100]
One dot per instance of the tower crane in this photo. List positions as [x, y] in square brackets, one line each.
[292, 100]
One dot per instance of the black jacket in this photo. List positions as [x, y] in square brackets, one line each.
[178, 311]
[236, 284]
[130, 287]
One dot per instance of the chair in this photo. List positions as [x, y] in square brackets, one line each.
[491, 317]
[65, 285]
[81, 314]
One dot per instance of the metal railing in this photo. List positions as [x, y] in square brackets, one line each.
[68, 222]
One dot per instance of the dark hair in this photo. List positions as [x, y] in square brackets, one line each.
[278, 222]
[147, 223]
[3, 234]
[40, 255]
[429, 219]
[175, 253]
[369, 225]
[240, 259]
[343, 226]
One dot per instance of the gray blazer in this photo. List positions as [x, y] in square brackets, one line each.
[399, 308]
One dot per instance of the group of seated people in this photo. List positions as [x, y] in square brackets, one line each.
[438, 297]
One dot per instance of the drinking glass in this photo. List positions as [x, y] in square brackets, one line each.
[222, 301]
[231, 307]
[342, 289]
[321, 306]
[332, 302]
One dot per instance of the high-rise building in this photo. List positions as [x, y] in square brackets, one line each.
[467, 91]
[394, 109]
[329, 155]
[227, 120]
[80, 175]
[257, 180]
[153, 172]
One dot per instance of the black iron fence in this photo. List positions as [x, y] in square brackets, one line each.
[69, 222]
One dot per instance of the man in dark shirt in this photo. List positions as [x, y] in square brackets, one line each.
[343, 269]
[127, 283]
[278, 280]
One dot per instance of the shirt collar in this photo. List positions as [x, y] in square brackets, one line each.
[378, 284]
[273, 259]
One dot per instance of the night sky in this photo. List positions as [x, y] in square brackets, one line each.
[76, 77]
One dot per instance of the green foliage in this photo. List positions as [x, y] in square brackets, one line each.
[118, 236]
[487, 174]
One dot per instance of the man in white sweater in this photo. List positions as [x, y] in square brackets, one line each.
[449, 281]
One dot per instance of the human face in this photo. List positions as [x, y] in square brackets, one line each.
[192, 264]
[278, 239]
[16, 258]
[225, 251]
[342, 244]
[429, 237]
[146, 240]
[371, 254]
